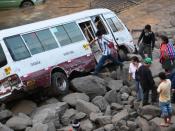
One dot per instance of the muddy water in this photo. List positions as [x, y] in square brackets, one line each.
[51, 9]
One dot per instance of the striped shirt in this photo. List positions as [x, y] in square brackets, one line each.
[104, 46]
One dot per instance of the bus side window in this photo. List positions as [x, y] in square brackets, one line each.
[47, 39]
[33, 43]
[3, 60]
[115, 24]
[68, 33]
[73, 32]
[99, 24]
[17, 48]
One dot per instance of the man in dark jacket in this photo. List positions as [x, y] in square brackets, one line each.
[148, 42]
[147, 81]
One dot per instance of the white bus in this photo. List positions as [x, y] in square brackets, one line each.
[46, 53]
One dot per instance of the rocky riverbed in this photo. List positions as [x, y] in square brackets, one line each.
[102, 103]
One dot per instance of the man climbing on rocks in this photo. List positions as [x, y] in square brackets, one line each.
[106, 53]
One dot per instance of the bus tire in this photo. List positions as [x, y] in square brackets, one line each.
[59, 83]
[26, 3]
[123, 55]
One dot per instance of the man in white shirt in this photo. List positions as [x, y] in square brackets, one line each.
[106, 53]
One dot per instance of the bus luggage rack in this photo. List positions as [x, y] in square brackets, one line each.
[115, 5]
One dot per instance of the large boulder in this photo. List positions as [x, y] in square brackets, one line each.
[90, 85]
[115, 84]
[125, 89]
[143, 124]
[4, 128]
[109, 127]
[113, 96]
[19, 122]
[101, 102]
[39, 127]
[86, 125]
[149, 110]
[99, 129]
[93, 116]
[86, 107]
[119, 116]
[103, 120]
[116, 106]
[5, 114]
[49, 113]
[155, 124]
[51, 101]
[80, 115]
[171, 128]
[24, 106]
[68, 116]
[108, 111]
[72, 98]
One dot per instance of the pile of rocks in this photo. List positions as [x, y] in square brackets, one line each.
[106, 103]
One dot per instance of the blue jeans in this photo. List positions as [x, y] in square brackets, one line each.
[139, 91]
[166, 109]
[102, 62]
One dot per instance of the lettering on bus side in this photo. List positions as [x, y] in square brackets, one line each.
[35, 63]
[68, 53]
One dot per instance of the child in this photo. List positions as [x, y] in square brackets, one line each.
[75, 125]
[133, 67]
[164, 91]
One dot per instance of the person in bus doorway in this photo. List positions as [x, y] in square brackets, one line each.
[147, 81]
[148, 41]
[106, 53]
[133, 69]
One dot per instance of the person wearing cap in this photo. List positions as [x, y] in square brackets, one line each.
[75, 125]
[147, 81]
[148, 41]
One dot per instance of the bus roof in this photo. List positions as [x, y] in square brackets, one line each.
[50, 22]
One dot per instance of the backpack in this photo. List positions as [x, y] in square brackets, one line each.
[111, 46]
[170, 51]
[137, 76]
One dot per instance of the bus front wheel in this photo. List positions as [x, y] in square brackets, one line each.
[26, 3]
[60, 84]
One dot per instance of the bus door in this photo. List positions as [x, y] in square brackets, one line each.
[89, 32]
[100, 24]
[116, 28]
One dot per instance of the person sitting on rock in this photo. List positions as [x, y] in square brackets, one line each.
[164, 91]
[75, 125]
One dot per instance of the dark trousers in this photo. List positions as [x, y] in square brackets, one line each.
[146, 95]
[173, 97]
[102, 62]
[145, 49]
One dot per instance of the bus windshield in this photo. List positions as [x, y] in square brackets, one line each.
[3, 60]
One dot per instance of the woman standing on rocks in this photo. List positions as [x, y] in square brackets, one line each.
[167, 53]
[133, 67]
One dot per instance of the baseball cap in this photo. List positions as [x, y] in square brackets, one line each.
[148, 60]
